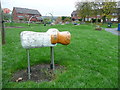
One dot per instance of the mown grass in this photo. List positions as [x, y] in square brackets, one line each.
[91, 60]
[113, 25]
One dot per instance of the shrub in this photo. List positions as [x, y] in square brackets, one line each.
[47, 20]
[67, 19]
[93, 20]
[58, 20]
[99, 20]
[80, 19]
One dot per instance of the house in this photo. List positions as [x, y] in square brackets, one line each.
[24, 14]
[74, 16]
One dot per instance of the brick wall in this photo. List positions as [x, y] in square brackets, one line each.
[23, 16]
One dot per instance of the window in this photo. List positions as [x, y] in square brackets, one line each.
[114, 13]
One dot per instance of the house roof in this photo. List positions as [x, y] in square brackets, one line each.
[74, 12]
[26, 10]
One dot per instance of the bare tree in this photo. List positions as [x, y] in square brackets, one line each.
[2, 25]
[119, 12]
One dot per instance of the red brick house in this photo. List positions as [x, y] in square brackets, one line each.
[115, 16]
[23, 14]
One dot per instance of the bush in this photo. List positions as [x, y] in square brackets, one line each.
[63, 18]
[93, 20]
[47, 20]
[67, 19]
[99, 20]
[80, 19]
[58, 20]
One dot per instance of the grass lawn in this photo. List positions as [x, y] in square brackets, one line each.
[91, 60]
[114, 25]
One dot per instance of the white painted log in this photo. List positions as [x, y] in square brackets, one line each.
[30, 39]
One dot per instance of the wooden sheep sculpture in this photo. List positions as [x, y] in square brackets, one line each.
[30, 39]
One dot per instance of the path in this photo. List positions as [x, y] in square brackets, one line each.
[113, 30]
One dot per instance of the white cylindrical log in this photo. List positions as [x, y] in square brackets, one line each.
[30, 39]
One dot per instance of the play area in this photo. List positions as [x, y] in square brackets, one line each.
[84, 58]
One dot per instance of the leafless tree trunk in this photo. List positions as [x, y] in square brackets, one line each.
[2, 25]
[118, 15]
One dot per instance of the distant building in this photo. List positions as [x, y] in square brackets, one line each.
[23, 14]
[74, 15]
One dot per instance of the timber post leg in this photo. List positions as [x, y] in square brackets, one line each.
[28, 55]
[52, 66]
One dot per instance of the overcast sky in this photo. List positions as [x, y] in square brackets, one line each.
[56, 7]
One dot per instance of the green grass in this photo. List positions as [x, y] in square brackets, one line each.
[91, 59]
[114, 25]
